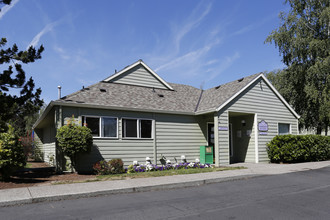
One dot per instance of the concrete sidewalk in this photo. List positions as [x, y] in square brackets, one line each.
[78, 190]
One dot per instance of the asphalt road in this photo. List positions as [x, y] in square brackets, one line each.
[301, 195]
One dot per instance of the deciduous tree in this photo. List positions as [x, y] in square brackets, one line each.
[303, 40]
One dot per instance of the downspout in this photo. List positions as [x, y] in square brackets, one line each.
[154, 136]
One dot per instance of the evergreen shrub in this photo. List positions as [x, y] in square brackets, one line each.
[298, 148]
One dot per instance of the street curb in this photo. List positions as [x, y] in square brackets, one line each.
[127, 190]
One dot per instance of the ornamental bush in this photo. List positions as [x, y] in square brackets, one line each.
[298, 148]
[11, 153]
[101, 168]
[114, 166]
[73, 140]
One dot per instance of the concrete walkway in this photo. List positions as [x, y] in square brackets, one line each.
[78, 190]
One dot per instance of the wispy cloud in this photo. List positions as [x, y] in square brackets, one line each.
[49, 27]
[189, 58]
[253, 26]
[193, 21]
[63, 54]
[6, 8]
[216, 70]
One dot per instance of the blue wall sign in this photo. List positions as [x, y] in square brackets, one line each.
[263, 126]
[223, 128]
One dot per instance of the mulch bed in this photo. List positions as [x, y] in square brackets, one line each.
[40, 173]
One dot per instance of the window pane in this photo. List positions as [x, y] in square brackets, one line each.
[283, 128]
[145, 126]
[94, 125]
[109, 127]
[130, 128]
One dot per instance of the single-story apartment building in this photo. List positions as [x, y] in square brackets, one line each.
[134, 114]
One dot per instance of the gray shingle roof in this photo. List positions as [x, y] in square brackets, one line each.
[215, 97]
[184, 98]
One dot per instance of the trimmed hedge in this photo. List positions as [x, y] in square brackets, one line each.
[298, 148]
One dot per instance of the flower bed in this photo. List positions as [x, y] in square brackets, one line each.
[152, 167]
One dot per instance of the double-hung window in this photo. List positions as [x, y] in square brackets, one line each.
[101, 126]
[283, 129]
[137, 128]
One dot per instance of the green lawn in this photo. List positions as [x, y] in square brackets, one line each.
[163, 173]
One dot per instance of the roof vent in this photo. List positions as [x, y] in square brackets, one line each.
[217, 87]
[68, 100]
[80, 101]
[103, 90]
[161, 95]
[240, 80]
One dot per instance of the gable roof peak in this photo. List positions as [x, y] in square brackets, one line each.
[130, 67]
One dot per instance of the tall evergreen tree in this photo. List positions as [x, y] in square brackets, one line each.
[303, 40]
[14, 108]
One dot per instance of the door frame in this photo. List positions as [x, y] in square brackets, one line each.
[208, 143]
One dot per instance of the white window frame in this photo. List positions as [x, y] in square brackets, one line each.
[138, 128]
[278, 128]
[101, 124]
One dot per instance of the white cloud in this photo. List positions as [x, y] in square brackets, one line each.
[6, 8]
[49, 27]
[216, 70]
[192, 22]
[189, 58]
[63, 54]
[253, 26]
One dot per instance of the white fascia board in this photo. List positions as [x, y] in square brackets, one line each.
[239, 92]
[122, 71]
[280, 96]
[48, 108]
[145, 66]
[271, 87]
[156, 75]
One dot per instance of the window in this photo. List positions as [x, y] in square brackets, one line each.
[283, 128]
[137, 128]
[130, 128]
[101, 126]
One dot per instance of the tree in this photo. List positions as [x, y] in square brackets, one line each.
[303, 40]
[11, 153]
[74, 140]
[13, 108]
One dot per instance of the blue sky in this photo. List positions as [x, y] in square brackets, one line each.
[199, 43]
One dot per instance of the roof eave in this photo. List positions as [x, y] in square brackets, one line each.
[86, 105]
[272, 88]
[43, 115]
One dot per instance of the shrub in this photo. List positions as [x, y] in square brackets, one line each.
[116, 166]
[298, 148]
[101, 168]
[74, 139]
[11, 153]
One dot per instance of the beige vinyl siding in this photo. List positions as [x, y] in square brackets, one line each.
[260, 99]
[49, 152]
[139, 76]
[46, 138]
[178, 135]
[223, 138]
[128, 150]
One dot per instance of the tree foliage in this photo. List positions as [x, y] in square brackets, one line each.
[73, 140]
[14, 108]
[11, 153]
[303, 40]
